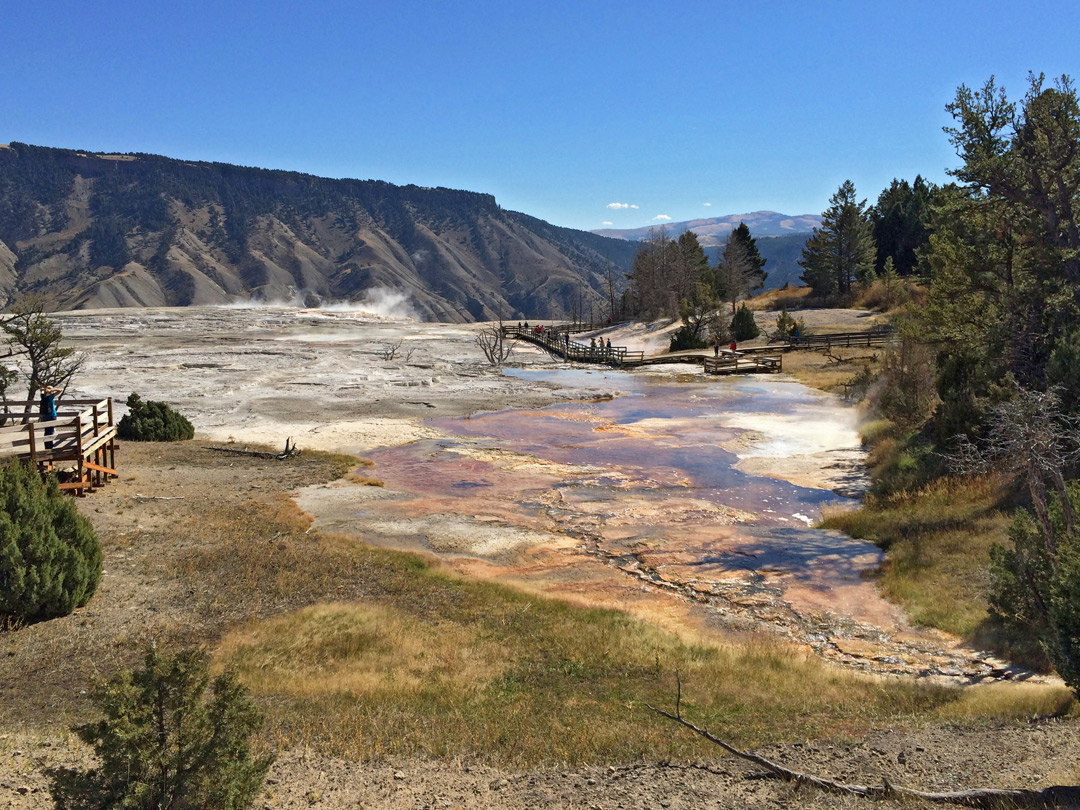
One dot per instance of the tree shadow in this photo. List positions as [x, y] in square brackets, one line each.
[73, 789]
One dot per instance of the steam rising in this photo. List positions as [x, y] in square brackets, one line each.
[378, 302]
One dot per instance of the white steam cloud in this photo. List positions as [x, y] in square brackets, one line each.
[379, 302]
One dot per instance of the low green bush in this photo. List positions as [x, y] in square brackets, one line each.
[685, 338]
[743, 325]
[174, 738]
[50, 559]
[153, 422]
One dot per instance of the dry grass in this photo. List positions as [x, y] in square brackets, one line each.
[938, 541]
[994, 702]
[789, 298]
[415, 661]
[818, 371]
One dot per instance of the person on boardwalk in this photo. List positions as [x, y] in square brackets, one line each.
[47, 410]
[716, 347]
[608, 347]
[732, 347]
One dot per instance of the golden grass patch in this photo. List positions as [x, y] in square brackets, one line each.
[358, 650]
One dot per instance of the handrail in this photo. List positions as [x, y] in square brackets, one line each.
[557, 341]
[57, 437]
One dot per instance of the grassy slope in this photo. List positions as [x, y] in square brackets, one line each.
[380, 654]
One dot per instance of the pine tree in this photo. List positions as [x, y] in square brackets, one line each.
[841, 251]
[754, 275]
[900, 221]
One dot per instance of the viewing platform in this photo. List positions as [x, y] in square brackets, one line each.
[79, 445]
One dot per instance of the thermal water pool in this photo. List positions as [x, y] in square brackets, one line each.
[690, 501]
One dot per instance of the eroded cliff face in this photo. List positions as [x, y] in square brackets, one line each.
[91, 231]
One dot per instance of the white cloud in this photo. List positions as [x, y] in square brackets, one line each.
[707, 204]
[662, 217]
[605, 222]
[621, 205]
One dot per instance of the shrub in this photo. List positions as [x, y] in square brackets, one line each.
[153, 422]
[743, 325]
[50, 559]
[788, 327]
[165, 744]
[1035, 585]
[685, 337]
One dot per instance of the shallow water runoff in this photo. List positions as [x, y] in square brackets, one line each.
[681, 498]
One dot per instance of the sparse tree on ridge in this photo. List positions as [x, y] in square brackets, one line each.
[740, 270]
[840, 252]
[668, 275]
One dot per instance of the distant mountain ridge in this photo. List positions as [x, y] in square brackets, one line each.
[714, 230]
[88, 230]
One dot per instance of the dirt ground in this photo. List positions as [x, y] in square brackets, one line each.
[46, 669]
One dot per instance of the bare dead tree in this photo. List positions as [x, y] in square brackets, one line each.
[1055, 796]
[32, 335]
[390, 351]
[1029, 437]
[493, 343]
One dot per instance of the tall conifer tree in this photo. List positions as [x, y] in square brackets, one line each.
[841, 251]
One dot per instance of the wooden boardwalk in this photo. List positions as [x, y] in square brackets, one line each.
[80, 443]
[556, 339]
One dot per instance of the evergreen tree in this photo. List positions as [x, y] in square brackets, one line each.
[841, 251]
[50, 559]
[754, 275]
[900, 222]
[31, 333]
[1004, 258]
[740, 268]
[152, 421]
[166, 745]
[743, 325]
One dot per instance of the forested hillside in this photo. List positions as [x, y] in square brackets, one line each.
[87, 230]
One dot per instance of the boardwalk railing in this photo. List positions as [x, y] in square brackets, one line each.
[80, 442]
[740, 363]
[556, 340]
[871, 337]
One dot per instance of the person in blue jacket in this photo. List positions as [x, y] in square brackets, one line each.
[47, 409]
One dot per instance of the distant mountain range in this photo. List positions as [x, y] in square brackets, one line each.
[714, 231]
[88, 230]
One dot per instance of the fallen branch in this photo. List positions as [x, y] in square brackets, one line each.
[289, 452]
[158, 497]
[1054, 796]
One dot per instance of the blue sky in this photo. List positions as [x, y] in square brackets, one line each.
[559, 109]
